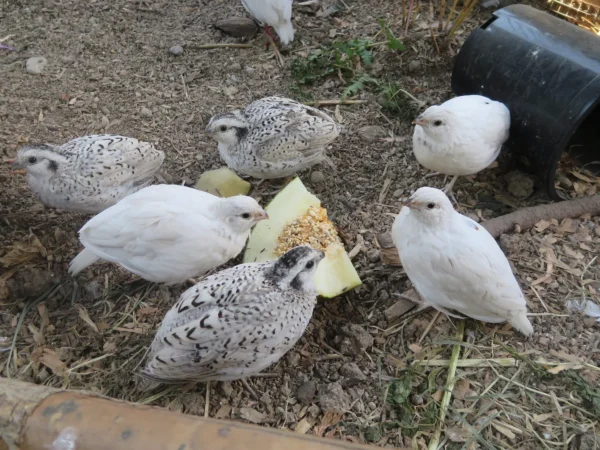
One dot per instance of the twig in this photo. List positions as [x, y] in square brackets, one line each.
[207, 400]
[334, 102]
[209, 46]
[475, 362]
[450, 381]
[437, 49]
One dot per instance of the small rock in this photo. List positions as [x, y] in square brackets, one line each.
[252, 415]
[359, 337]
[176, 50]
[36, 64]
[293, 359]
[230, 91]
[145, 112]
[372, 406]
[416, 400]
[306, 392]
[226, 389]
[105, 122]
[317, 177]
[414, 65]
[333, 397]
[352, 372]
[373, 255]
[371, 133]
[398, 193]
[94, 290]
[237, 27]
[519, 184]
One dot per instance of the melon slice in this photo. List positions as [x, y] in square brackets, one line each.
[295, 218]
[222, 182]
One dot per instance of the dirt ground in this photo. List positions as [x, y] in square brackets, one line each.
[359, 373]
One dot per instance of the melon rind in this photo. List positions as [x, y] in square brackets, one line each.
[335, 273]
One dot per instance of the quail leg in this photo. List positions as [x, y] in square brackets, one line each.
[448, 189]
[271, 40]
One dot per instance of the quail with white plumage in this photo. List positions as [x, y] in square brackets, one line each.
[168, 233]
[273, 137]
[237, 322]
[462, 136]
[90, 173]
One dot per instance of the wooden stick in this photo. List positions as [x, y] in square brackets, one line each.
[502, 362]
[335, 102]
[209, 46]
[35, 417]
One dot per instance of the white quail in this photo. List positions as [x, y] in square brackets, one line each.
[168, 233]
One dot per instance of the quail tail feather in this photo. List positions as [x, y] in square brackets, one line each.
[285, 32]
[521, 323]
[84, 259]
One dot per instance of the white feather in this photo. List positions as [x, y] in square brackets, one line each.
[165, 233]
[454, 263]
[276, 13]
[461, 136]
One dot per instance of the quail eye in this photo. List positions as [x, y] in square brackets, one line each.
[246, 216]
[437, 123]
[430, 205]
[223, 128]
[32, 160]
[310, 264]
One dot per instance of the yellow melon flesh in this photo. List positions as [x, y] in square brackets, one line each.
[294, 205]
[222, 182]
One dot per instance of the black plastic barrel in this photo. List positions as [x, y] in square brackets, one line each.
[547, 71]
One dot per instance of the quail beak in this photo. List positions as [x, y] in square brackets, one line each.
[419, 121]
[19, 171]
[410, 203]
[261, 216]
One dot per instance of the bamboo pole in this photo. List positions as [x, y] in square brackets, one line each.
[35, 417]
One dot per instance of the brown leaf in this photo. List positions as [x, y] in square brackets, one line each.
[457, 434]
[23, 251]
[49, 358]
[567, 226]
[437, 395]
[303, 426]
[252, 415]
[43, 312]
[147, 311]
[83, 314]
[329, 418]
[38, 335]
[461, 388]
[415, 348]
[223, 412]
[541, 225]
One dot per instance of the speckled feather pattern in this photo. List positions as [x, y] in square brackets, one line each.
[229, 326]
[94, 172]
[282, 138]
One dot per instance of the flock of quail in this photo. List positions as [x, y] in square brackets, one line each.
[239, 321]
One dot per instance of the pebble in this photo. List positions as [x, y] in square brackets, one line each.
[520, 184]
[36, 64]
[105, 121]
[145, 112]
[333, 397]
[317, 177]
[306, 392]
[371, 405]
[176, 50]
[371, 133]
[373, 255]
[352, 371]
[360, 338]
[414, 65]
